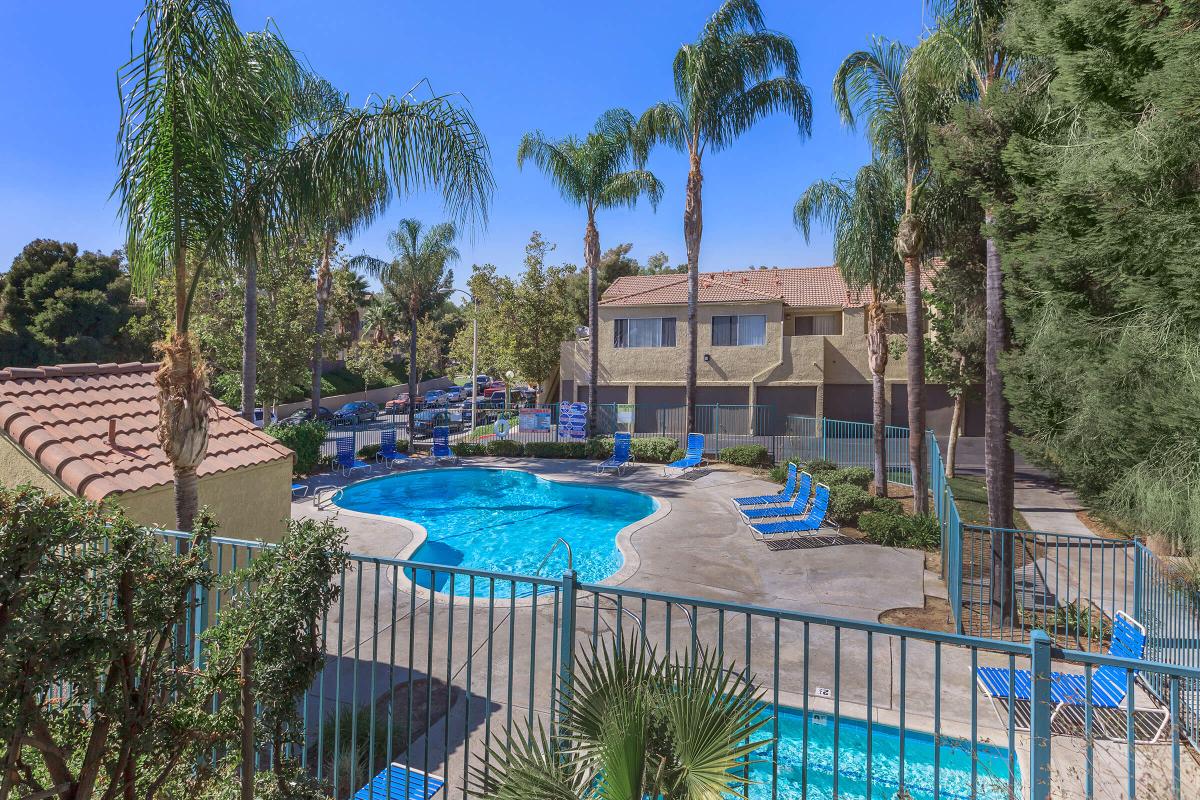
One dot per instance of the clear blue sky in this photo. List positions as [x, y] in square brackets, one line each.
[521, 65]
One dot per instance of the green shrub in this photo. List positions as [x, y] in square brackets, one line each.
[846, 502]
[557, 449]
[855, 476]
[467, 449]
[368, 450]
[779, 471]
[818, 465]
[600, 447]
[745, 455]
[305, 440]
[655, 450]
[506, 448]
[896, 530]
[887, 505]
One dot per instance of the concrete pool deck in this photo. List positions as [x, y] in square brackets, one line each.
[500, 655]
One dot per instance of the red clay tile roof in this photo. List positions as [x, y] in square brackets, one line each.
[60, 416]
[793, 286]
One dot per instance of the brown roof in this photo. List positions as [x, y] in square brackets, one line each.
[793, 286]
[60, 416]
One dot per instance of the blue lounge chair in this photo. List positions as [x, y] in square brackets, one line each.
[441, 445]
[622, 442]
[797, 508]
[694, 456]
[300, 490]
[810, 522]
[1067, 690]
[344, 459]
[398, 782]
[789, 489]
[388, 453]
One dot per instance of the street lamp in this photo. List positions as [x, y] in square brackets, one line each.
[508, 379]
[474, 351]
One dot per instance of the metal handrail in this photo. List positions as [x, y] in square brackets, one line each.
[550, 552]
[320, 501]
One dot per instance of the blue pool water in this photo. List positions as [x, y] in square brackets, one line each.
[954, 766]
[503, 520]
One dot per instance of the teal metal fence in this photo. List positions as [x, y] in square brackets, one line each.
[431, 667]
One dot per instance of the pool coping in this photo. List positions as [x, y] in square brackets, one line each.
[630, 558]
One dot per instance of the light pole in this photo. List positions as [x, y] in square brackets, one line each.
[474, 351]
[508, 378]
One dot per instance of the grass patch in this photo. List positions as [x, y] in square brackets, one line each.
[970, 495]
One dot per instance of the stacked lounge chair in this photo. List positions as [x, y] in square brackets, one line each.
[793, 523]
[789, 489]
[797, 508]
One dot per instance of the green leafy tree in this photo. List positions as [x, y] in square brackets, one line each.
[864, 214]
[63, 306]
[370, 359]
[734, 75]
[191, 99]
[417, 280]
[634, 725]
[880, 84]
[592, 173]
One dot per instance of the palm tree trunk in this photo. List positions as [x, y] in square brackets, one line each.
[324, 287]
[591, 257]
[998, 453]
[250, 331]
[412, 365]
[909, 244]
[952, 441]
[693, 225]
[878, 354]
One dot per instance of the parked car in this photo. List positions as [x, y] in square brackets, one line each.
[356, 412]
[259, 414]
[482, 381]
[306, 415]
[436, 397]
[492, 401]
[425, 421]
[494, 387]
[454, 394]
[399, 403]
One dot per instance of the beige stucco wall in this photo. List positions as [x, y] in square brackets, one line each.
[16, 467]
[248, 503]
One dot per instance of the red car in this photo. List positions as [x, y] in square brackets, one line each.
[494, 388]
[399, 404]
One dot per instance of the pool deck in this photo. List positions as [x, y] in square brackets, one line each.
[700, 548]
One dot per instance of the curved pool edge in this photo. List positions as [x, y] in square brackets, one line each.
[630, 559]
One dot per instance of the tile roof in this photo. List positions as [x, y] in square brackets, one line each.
[793, 286]
[60, 416]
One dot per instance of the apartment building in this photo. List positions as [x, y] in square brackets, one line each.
[792, 340]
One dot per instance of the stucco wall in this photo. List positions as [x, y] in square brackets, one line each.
[249, 503]
[17, 467]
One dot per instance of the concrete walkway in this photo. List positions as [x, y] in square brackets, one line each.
[1047, 506]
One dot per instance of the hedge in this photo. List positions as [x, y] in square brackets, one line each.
[506, 448]
[558, 449]
[745, 455]
[467, 449]
[896, 530]
[305, 441]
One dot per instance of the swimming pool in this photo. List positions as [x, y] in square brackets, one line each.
[954, 767]
[503, 520]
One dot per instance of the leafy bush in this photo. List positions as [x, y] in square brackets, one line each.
[888, 505]
[557, 449]
[846, 502]
[745, 455]
[779, 471]
[467, 449]
[305, 441]
[600, 447]
[368, 451]
[655, 450]
[817, 465]
[896, 530]
[855, 476]
[506, 448]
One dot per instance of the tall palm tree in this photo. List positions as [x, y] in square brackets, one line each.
[592, 173]
[966, 53]
[183, 95]
[634, 725]
[863, 213]
[878, 83]
[735, 74]
[417, 278]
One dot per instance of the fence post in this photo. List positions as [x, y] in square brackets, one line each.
[1138, 583]
[821, 435]
[717, 427]
[566, 639]
[1040, 711]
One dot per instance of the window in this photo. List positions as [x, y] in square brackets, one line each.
[747, 330]
[647, 332]
[818, 325]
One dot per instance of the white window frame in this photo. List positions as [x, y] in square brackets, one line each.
[737, 329]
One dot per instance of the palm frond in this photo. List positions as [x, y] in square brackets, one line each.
[625, 188]
[558, 161]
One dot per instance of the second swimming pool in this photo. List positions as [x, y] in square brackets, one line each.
[503, 520]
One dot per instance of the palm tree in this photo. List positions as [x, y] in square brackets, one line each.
[863, 214]
[966, 53]
[901, 110]
[732, 76]
[417, 279]
[183, 97]
[632, 726]
[592, 173]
